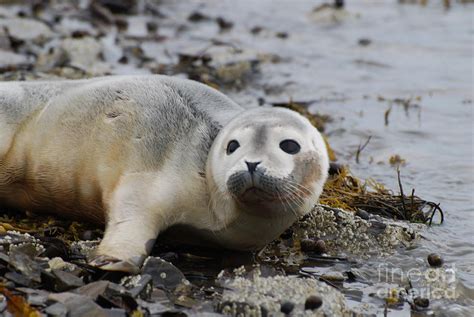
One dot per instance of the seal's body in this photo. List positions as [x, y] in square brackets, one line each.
[142, 153]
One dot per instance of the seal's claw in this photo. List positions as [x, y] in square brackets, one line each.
[109, 263]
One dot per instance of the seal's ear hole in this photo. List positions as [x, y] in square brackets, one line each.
[290, 146]
[232, 146]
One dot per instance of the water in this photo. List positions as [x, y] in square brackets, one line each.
[422, 53]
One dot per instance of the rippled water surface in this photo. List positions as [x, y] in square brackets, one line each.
[419, 53]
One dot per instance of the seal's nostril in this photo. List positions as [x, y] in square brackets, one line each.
[252, 166]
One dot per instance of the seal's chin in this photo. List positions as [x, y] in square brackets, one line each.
[255, 195]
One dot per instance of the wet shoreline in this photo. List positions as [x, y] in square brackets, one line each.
[351, 64]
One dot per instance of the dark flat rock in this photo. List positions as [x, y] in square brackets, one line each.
[24, 264]
[66, 281]
[93, 290]
[164, 274]
[78, 305]
[57, 309]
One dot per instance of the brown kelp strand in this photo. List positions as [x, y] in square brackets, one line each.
[347, 192]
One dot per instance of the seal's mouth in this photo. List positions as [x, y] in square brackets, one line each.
[254, 194]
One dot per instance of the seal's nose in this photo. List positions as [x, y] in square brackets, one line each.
[252, 166]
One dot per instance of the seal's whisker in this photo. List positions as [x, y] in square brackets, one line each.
[302, 188]
[282, 201]
[286, 199]
[295, 191]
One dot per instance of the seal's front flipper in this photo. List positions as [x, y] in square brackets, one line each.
[133, 223]
[125, 246]
[109, 263]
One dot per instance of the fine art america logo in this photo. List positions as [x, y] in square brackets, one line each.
[430, 283]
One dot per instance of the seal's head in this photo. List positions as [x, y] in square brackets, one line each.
[269, 162]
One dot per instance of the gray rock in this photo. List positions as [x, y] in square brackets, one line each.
[153, 308]
[141, 287]
[84, 53]
[66, 281]
[115, 312]
[35, 297]
[164, 274]
[93, 290]
[24, 264]
[19, 279]
[5, 43]
[26, 29]
[9, 60]
[78, 305]
[57, 309]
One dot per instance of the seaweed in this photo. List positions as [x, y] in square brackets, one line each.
[17, 305]
[347, 192]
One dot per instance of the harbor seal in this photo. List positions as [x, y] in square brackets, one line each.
[143, 153]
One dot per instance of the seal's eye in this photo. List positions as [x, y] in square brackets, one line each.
[232, 146]
[290, 146]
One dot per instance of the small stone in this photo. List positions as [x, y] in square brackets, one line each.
[197, 17]
[256, 29]
[122, 24]
[56, 310]
[320, 246]
[119, 6]
[151, 26]
[224, 24]
[363, 214]
[93, 290]
[334, 277]
[421, 302]
[24, 264]
[115, 312]
[309, 245]
[364, 42]
[123, 60]
[339, 4]
[282, 35]
[19, 279]
[287, 307]
[21, 29]
[313, 302]
[78, 305]
[164, 274]
[66, 281]
[58, 264]
[142, 287]
[12, 61]
[435, 260]
[87, 235]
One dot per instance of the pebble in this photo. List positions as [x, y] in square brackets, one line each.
[164, 274]
[334, 276]
[65, 281]
[87, 235]
[421, 302]
[363, 214]
[309, 245]
[364, 42]
[10, 60]
[26, 29]
[56, 309]
[313, 302]
[287, 308]
[435, 260]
